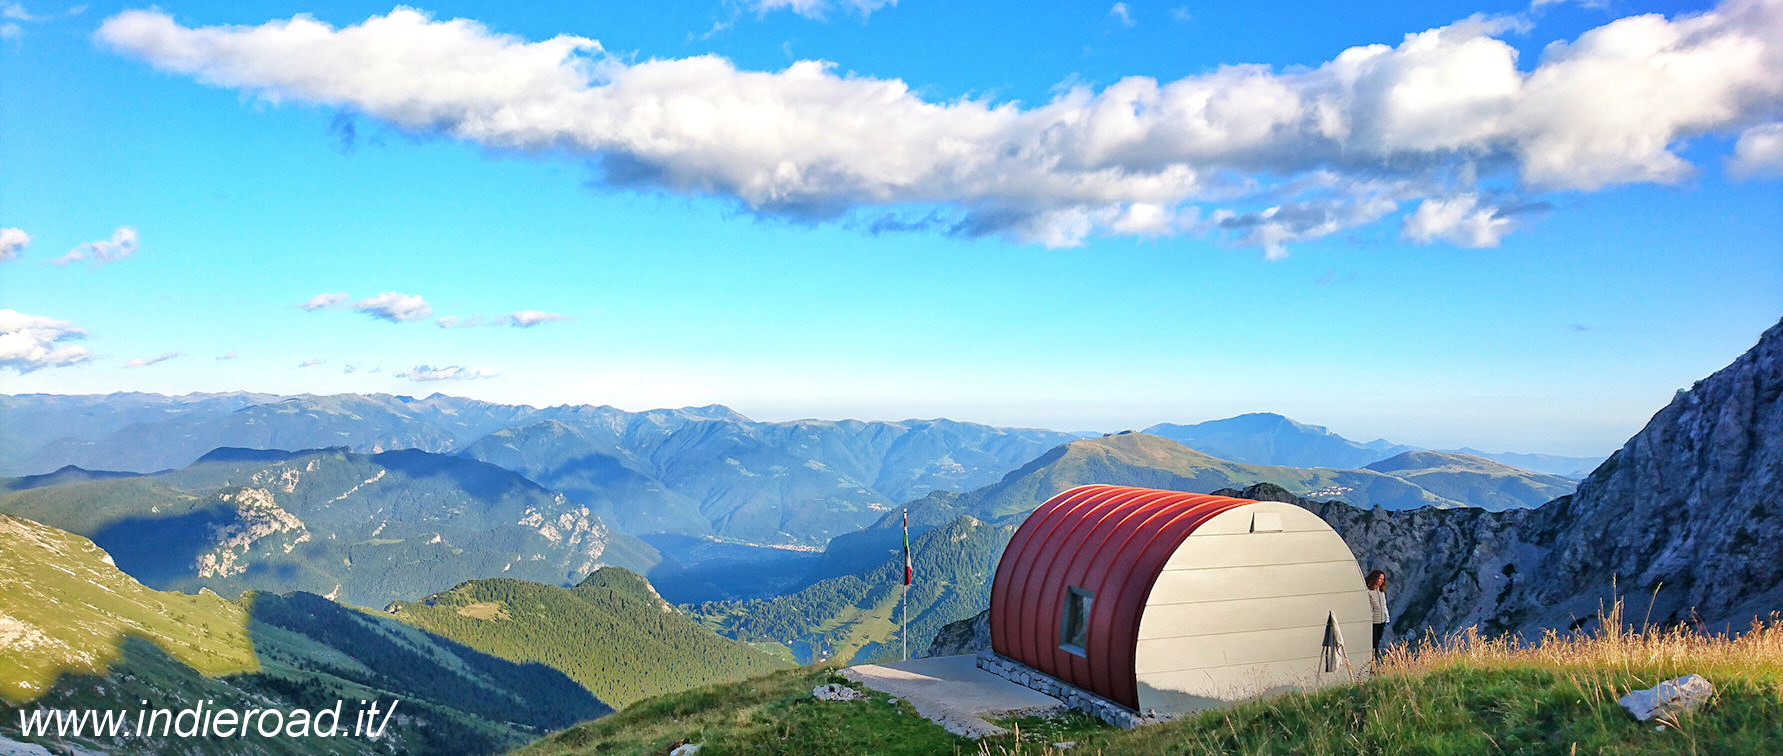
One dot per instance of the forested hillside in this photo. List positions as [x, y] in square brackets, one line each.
[610, 633]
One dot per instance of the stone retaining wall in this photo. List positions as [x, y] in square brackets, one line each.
[1072, 696]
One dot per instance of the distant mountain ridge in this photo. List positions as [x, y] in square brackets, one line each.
[694, 471]
[367, 529]
[1263, 438]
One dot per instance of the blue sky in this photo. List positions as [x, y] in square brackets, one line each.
[1568, 290]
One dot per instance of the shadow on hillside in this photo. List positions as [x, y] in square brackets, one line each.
[158, 550]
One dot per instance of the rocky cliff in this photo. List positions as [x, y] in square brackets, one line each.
[1683, 519]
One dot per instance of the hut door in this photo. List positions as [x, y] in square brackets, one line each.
[1332, 654]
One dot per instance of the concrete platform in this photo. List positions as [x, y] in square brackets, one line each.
[953, 692]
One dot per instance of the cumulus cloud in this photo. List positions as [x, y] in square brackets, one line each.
[395, 307]
[1433, 117]
[1458, 220]
[122, 244]
[33, 342]
[530, 318]
[1759, 152]
[817, 9]
[325, 301]
[451, 373]
[13, 242]
[136, 362]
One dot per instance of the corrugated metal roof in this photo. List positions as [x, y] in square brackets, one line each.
[1109, 540]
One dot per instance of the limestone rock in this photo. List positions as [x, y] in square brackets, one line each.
[968, 636]
[1669, 699]
[836, 692]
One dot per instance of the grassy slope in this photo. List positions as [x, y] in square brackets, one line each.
[1476, 480]
[1469, 697]
[610, 633]
[65, 608]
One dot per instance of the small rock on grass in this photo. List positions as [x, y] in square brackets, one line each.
[1668, 699]
[835, 692]
[685, 749]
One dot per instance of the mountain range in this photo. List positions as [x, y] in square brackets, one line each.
[364, 528]
[693, 471]
[1263, 438]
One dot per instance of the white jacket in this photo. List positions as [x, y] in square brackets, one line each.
[1377, 601]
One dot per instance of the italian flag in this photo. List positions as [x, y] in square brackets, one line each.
[908, 573]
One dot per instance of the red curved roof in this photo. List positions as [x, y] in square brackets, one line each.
[1111, 540]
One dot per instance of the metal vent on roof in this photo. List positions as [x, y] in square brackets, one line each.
[1266, 522]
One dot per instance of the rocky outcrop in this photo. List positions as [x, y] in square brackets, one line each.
[968, 636]
[1683, 519]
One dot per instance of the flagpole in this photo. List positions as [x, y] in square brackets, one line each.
[904, 598]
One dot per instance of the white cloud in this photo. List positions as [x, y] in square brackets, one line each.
[1458, 220]
[1275, 227]
[122, 244]
[325, 301]
[16, 12]
[13, 242]
[451, 373]
[309, 363]
[817, 9]
[454, 321]
[530, 318]
[32, 342]
[1432, 117]
[230, 355]
[395, 307]
[1119, 13]
[1759, 152]
[1181, 14]
[136, 362]
[11, 31]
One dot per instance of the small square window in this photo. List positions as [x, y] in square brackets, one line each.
[1074, 622]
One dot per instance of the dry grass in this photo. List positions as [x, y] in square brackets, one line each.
[1615, 645]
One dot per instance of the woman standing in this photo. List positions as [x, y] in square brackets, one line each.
[1376, 583]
